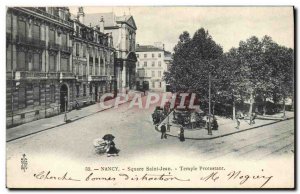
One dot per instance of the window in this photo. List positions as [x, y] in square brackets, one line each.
[84, 50]
[97, 69]
[152, 55]
[159, 73]
[101, 69]
[84, 90]
[137, 55]
[153, 84]
[145, 64]
[64, 39]
[160, 84]
[52, 63]
[84, 69]
[145, 55]
[36, 62]
[77, 90]
[77, 69]
[21, 61]
[36, 95]
[52, 93]
[77, 49]
[36, 32]
[64, 64]
[52, 36]
[153, 73]
[22, 28]
[159, 63]
[22, 97]
[153, 63]
[91, 89]
[91, 70]
[159, 55]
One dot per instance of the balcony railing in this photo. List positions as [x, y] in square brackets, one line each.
[66, 75]
[44, 13]
[66, 49]
[97, 78]
[20, 75]
[30, 41]
[81, 77]
[53, 75]
[53, 46]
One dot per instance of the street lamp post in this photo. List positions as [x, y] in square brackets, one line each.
[65, 118]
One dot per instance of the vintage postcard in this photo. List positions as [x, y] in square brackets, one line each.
[150, 97]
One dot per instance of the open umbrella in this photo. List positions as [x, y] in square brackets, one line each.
[108, 137]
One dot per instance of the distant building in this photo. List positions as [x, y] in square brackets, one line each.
[93, 60]
[38, 63]
[153, 61]
[123, 30]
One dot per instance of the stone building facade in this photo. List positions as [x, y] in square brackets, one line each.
[123, 30]
[153, 61]
[38, 62]
[93, 61]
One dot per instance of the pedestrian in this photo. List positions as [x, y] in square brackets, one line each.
[181, 134]
[163, 131]
[252, 118]
[215, 125]
[111, 149]
[193, 119]
[238, 120]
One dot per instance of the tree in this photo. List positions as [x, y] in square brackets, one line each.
[193, 60]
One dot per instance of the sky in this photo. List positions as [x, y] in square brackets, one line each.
[227, 25]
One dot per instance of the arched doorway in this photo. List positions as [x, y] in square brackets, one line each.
[63, 98]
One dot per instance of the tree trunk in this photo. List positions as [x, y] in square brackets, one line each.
[233, 108]
[251, 104]
[265, 106]
[284, 116]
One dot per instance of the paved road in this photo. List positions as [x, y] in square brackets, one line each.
[136, 137]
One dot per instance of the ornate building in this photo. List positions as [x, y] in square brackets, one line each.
[93, 60]
[38, 62]
[123, 30]
[153, 61]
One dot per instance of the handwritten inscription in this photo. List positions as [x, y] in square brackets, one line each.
[233, 177]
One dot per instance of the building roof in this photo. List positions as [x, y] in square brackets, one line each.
[147, 48]
[110, 19]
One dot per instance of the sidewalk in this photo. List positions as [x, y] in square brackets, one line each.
[58, 120]
[226, 127]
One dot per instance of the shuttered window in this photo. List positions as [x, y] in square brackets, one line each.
[22, 28]
[52, 36]
[64, 64]
[21, 61]
[36, 32]
[64, 39]
[36, 62]
[52, 63]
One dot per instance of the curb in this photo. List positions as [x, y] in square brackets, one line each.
[71, 120]
[219, 136]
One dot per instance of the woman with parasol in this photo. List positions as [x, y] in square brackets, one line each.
[111, 148]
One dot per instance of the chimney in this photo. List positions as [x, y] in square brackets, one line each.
[80, 15]
[102, 24]
[163, 46]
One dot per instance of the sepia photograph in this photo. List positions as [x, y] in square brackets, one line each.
[150, 97]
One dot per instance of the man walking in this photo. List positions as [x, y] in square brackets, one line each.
[163, 131]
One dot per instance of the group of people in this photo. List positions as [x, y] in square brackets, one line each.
[241, 116]
[163, 130]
